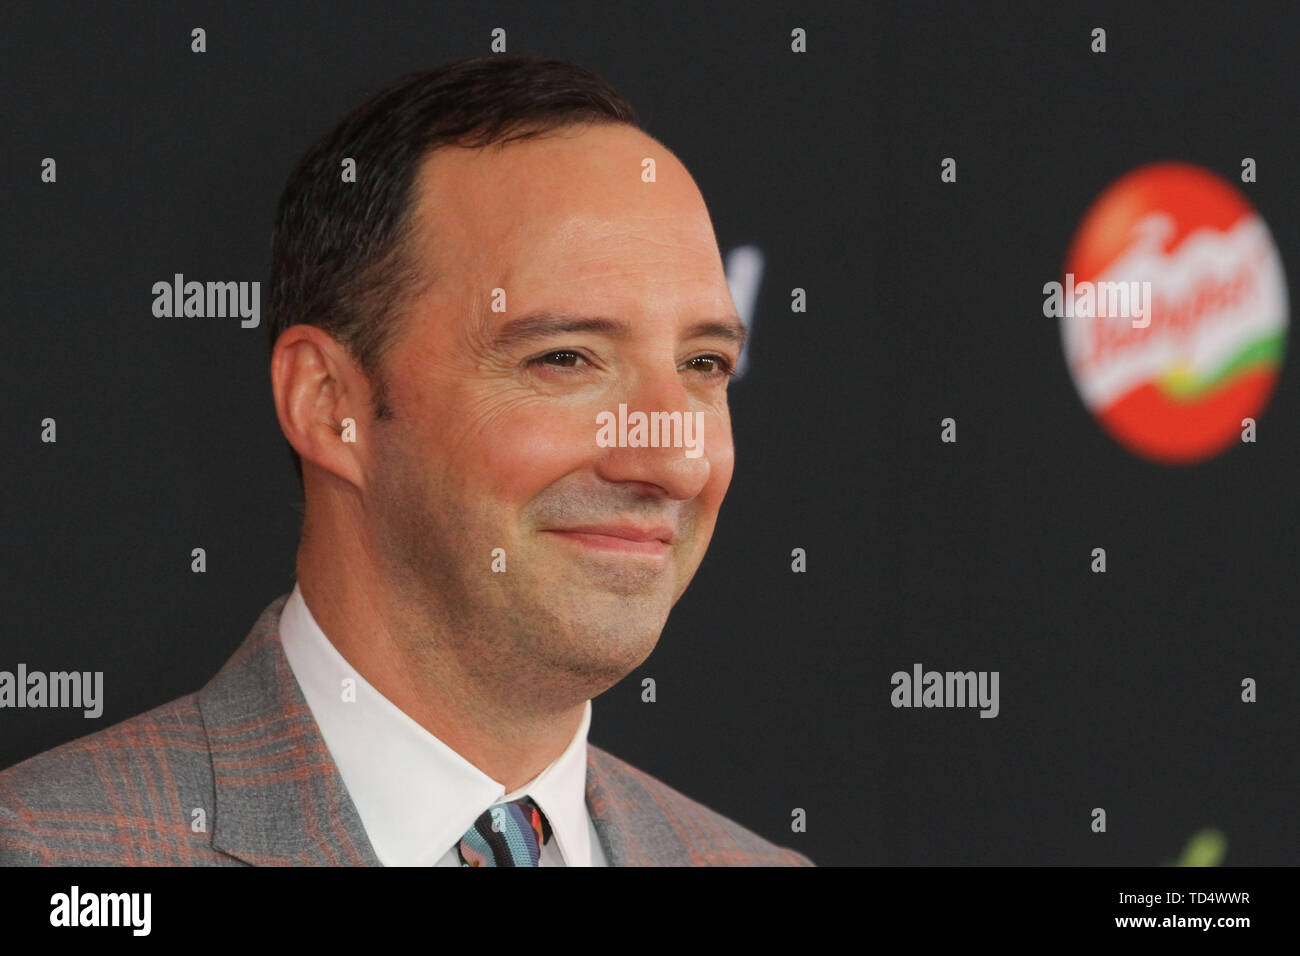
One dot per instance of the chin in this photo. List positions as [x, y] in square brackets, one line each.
[604, 658]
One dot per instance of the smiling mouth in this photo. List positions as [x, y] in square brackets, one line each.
[654, 542]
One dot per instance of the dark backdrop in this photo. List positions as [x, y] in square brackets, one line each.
[924, 301]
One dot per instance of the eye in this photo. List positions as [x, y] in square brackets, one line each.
[713, 366]
[564, 359]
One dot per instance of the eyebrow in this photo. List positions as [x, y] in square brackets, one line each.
[542, 325]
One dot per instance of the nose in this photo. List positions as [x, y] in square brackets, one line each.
[660, 437]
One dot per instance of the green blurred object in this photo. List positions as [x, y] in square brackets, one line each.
[1205, 848]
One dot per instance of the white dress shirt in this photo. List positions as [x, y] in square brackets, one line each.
[416, 796]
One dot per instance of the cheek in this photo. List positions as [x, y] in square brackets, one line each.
[527, 448]
[722, 458]
[708, 502]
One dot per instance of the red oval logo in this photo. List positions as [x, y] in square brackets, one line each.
[1173, 312]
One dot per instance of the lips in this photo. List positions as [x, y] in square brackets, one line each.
[626, 538]
[628, 532]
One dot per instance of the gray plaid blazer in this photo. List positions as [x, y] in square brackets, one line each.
[246, 751]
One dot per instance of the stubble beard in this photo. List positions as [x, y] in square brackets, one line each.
[546, 634]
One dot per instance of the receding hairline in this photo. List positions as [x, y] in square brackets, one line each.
[425, 271]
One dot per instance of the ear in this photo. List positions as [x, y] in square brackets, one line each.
[317, 386]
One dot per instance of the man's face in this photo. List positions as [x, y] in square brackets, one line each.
[614, 293]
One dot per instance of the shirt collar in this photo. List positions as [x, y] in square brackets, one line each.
[416, 796]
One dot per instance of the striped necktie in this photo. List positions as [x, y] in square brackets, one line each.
[506, 834]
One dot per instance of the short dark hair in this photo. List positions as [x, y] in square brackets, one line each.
[339, 250]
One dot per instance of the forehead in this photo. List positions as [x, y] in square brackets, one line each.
[569, 213]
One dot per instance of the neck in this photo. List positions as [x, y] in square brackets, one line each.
[500, 725]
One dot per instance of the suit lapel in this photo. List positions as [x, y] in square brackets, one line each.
[615, 839]
[627, 820]
[279, 799]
